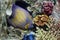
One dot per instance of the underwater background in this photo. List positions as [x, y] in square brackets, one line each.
[11, 33]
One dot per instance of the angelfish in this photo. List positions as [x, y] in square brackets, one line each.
[20, 18]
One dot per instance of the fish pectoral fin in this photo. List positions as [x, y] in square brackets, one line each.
[26, 26]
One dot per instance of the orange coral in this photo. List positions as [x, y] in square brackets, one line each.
[40, 20]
